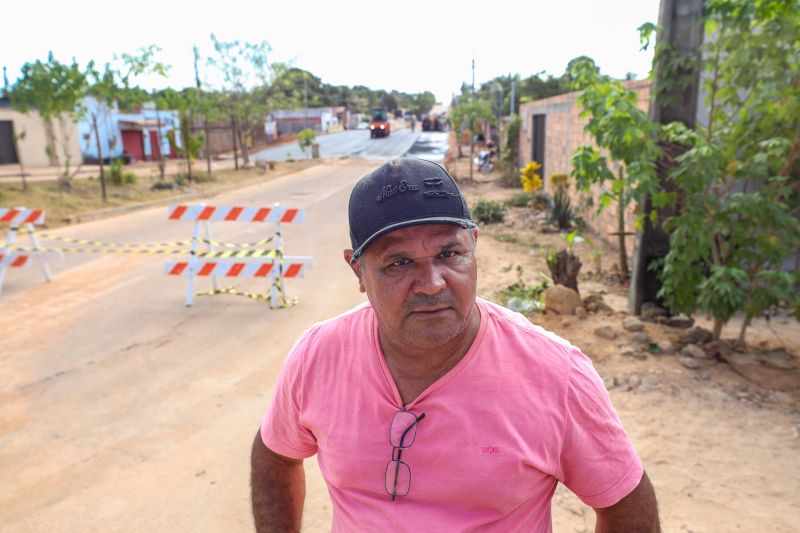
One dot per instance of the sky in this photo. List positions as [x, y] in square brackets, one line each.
[408, 45]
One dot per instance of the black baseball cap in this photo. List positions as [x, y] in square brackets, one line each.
[402, 193]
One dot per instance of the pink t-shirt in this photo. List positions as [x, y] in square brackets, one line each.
[521, 411]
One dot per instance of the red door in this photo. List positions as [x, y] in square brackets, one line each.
[155, 148]
[133, 144]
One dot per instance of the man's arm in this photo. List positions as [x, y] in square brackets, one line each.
[278, 486]
[635, 513]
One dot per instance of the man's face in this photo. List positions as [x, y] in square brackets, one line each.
[421, 281]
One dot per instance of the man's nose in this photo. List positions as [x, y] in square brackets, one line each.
[429, 277]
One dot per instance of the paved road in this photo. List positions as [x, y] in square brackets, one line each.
[123, 410]
[358, 144]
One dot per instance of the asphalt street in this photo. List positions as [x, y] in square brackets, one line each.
[358, 144]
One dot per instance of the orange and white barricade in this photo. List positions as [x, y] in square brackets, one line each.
[20, 217]
[247, 263]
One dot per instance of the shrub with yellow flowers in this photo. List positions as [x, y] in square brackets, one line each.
[529, 177]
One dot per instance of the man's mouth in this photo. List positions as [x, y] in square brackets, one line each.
[430, 311]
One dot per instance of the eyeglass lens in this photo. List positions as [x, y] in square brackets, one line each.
[401, 435]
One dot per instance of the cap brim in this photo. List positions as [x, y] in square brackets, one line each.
[462, 222]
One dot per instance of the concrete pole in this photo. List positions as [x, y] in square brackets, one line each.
[682, 25]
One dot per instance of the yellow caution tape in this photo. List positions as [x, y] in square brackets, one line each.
[285, 303]
[100, 250]
[278, 284]
[89, 242]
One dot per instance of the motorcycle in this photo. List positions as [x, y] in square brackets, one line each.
[484, 161]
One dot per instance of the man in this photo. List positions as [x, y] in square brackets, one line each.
[431, 409]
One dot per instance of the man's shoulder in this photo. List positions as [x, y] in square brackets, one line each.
[349, 326]
[511, 325]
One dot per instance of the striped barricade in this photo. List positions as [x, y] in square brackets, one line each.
[292, 267]
[249, 263]
[13, 260]
[27, 219]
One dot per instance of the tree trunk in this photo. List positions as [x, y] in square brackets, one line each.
[243, 146]
[471, 153]
[235, 153]
[50, 137]
[564, 268]
[162, 163]
[742, 331]
[717, 329]
[208, 151]
[623, 252]
[99, 157]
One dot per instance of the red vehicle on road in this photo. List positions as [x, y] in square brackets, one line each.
[379, 126]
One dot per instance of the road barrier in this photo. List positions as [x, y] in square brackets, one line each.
[250, 263]
[10, 257]
[232, 260]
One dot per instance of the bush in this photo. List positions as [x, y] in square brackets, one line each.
[510, 154]
[561, 214]
[489, 211]
[305, 139]
[119, 177]
[520, 199]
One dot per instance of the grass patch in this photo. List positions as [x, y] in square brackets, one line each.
[64, 207]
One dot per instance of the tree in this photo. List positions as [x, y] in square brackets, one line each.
[470, 115]
[739, 179]
[509, 159]
[247, 78]
[55, 90]
[187, 103]
[421, 103]
[624, 132]
[114, 87]
[305, 139]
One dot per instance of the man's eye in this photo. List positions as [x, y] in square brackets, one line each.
[400, 262]
[448, 254]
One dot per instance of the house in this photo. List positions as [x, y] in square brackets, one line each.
[293, 120]
[552, 130]
[32, 138]
[142, 135]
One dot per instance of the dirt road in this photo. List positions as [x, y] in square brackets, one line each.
[123, 410]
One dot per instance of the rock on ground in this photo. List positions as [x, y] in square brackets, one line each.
[562, 300]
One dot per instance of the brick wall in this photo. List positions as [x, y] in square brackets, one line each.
[563, 135]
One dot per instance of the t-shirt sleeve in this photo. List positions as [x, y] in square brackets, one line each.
[282, 429]
[598, 462]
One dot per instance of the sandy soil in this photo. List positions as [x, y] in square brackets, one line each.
[721, 451]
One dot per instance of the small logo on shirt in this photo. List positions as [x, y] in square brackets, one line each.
[490, 450]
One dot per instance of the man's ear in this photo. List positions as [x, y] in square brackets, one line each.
[355, 266]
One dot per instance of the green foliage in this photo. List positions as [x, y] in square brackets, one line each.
[55, 90]
[523, 290]
[509, 159]
[52, 88]
[739, 177]
[118, 176]
[520, 199]
[471, 114]
[306, 138]
[489, 211]
[624, 132]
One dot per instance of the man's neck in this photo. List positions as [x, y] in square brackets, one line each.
[415, 369]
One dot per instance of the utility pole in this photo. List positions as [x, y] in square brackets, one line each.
[473, 73]
[305, 98]
[682, 25]
[513, 95]
[205, 111]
